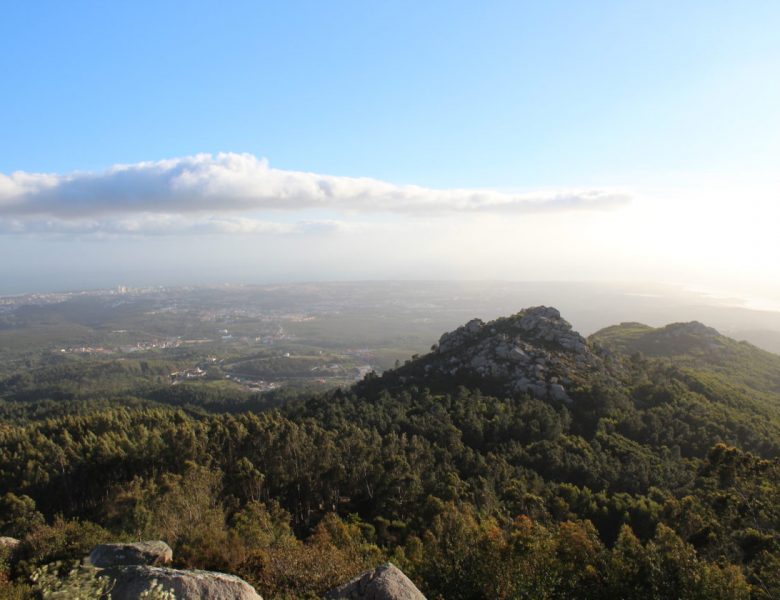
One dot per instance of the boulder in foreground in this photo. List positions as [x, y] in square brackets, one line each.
[131, 581]
[386, 582]
[138, 553]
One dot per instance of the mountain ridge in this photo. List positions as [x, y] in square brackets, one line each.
[467, 481]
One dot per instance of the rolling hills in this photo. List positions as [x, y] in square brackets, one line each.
[516, 459]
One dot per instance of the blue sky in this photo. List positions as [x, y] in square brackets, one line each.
[509, 94]
[669, 100]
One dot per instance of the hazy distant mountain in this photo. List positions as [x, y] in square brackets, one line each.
[763, 338]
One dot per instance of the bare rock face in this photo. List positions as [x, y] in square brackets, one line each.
[534, 352]
[131, 581]
[453, 339]
[138, 553]
[386, 582]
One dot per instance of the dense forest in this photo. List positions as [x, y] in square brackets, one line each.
[655, 474]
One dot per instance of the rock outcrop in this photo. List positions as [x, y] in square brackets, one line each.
[134, 569]
[386, 582]
[138, 553]
[131, 581]
[535, 352]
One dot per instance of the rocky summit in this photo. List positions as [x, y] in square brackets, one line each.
[535, 351]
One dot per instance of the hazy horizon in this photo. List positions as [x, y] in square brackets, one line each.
[141, 280]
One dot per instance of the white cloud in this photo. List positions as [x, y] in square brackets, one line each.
[166, 224]
[209, 193]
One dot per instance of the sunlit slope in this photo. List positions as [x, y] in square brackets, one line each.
[696, 346]
[733, 380]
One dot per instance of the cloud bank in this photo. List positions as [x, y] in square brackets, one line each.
[217, 193]
[165, 224]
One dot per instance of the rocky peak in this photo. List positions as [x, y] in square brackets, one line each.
[534, 351]
[462, 335]
[538, 324]
[545, 324]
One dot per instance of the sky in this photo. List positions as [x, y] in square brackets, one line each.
[195, 142]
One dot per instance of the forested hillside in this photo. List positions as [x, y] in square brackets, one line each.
[515, 460]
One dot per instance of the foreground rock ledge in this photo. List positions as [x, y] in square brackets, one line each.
[131, 581]
[138, 553]
[386, 582]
